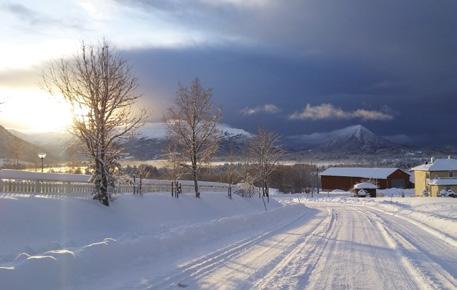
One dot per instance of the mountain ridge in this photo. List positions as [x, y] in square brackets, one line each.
[150, 141]
[349, 139]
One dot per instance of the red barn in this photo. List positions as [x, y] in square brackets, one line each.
[345, 178]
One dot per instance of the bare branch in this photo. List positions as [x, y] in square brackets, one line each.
[266, 152]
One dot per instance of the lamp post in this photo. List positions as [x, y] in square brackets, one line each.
[42, 156]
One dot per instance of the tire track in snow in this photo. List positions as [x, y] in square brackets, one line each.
[356, 257]
[208, 263]
[431, 230]
[412, 272]
[295, 267]
[263, 253]
[426, 267]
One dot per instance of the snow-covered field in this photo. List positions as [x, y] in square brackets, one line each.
[49, 243]
[157, 242]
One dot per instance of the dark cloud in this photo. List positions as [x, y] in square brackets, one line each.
[22, 12]
[395, 58]
[247, 77]
[32, 17]
[380, 30]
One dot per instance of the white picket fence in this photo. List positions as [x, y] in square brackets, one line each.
[31, 183]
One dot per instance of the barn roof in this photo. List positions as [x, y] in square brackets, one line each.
[363, 172]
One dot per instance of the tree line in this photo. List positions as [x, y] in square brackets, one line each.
[297, 178]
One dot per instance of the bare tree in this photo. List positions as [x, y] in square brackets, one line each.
[232, 171]
[266, 153]
[192, 126]
[176, 166]
[246, 174]
[101, 88]
[175, 161]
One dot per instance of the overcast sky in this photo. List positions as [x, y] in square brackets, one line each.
[292, 66]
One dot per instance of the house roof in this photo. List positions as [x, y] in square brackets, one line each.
[438, 165]
[363, 172]
[365, 185]
[443, 181]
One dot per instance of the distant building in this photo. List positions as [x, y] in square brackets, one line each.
[365, 188]
[435, 176]
[346, 177]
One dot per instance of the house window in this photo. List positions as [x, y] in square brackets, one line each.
[451, 173]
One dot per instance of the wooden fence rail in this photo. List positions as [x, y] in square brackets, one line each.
[78, 189]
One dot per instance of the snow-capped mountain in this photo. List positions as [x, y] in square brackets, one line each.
[349, 139]
[151, 139]
[158, 130]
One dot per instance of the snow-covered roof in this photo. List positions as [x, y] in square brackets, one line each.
[363, 172]
[438, 165]
[443, 181]
[365, 185]
[27, 175]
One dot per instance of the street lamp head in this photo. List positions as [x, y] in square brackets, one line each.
[41, 155]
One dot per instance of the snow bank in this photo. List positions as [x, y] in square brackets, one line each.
[334, 193]
[435, 214]
[396, 192]
[439, 214]
[54, 243]
[387, 192]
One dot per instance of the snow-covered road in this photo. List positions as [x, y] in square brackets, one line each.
[331, 246]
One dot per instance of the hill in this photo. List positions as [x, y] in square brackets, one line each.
[15, 149]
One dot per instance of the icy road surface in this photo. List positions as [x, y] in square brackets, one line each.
[331, 246]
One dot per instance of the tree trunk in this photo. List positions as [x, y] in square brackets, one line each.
[101, 183]
[104, 189]
[267, 193]
[195, 177]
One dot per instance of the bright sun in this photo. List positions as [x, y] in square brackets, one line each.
[34, 110]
